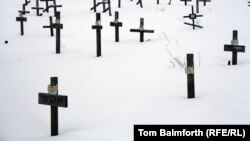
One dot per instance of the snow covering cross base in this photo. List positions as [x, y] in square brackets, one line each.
[47, 4]
[23, 11]
[103, 2]
[205, 2]
[54, 100]
[185, 1]
[98, 28]
[142, 30]
[193, 16]
[37, 8]
[116, 24]
[21, 19]
[58, 26]
[190, 75]
[234, 47]
[50, 26]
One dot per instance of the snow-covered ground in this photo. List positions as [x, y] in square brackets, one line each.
[133, 82]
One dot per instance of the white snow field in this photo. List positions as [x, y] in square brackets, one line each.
[133, 82]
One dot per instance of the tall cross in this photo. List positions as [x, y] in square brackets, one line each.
[205, 1]
[185, 1]
[234, 47]
[50, 26]
[37, 8]
[141, 30]
[54, 100]
[193, 16]
[21, 19]
[58, 26]
[116, 24]
[98, 28]
[47, 4]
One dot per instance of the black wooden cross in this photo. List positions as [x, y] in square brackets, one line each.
[185, 1]
[139, 2]
[54, 100]
[58, 26]
[26, 2]
[53, 6]
[50, 26]
[205, 1]
[116, 24]
[23, 11]
[37, 8]
[98, 28]
[141, 30]
[190, 75]
[47, 4]
[193, 16]
[234, 47]
[21, 19]
[103, 2]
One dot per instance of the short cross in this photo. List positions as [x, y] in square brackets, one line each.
[116, 24]
[21, 19]
[193, 16]
[98, 28]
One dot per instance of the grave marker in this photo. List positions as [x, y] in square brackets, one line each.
[205, 2]
[50, 26]
[141, 30]
[234, 47]
[58, 26]
[119, 3]
[190, 76]
[53, 6]
[185, 1]
[21, 19]
[23, 11]
[47, 4]
[26, 2]
[116, 24]
[197, 6]
[54, 100]
[37, 8]
[193, 16]
[98, 28]
[103, 2]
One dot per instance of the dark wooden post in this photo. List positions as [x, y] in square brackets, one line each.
[98, 28]
[58, 26]
[158, 1]
[235, 38]
[119, 3]
[50, 26]
[54, 109]
[21, 19]
[142, 28]
[197, 6]
[94, 5]
[190, 76]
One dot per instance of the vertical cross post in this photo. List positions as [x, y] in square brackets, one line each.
[54, 109]
[98, 28]
[158, 1]
[119, 3]
[235, 38]
[141, 28]
[116, 24]
[58, 26]
[190, 76]
[197, 6]
[94, 5]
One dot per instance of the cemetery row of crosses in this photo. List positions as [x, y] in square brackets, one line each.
[54, 100]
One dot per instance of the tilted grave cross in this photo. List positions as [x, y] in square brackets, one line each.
[190, 76]
[58, 26]
[23, 11]
[185, 1]
[53, 6]
[21, 19]
[37, 8]
[205, 2]
[26, 2]
[98, 28]
[234, 47]
[116, 24]
[54, 100]
[139, 2]
[47, 4]
[193, 16]
[103, 2]
[141, 30]
[50, 26]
